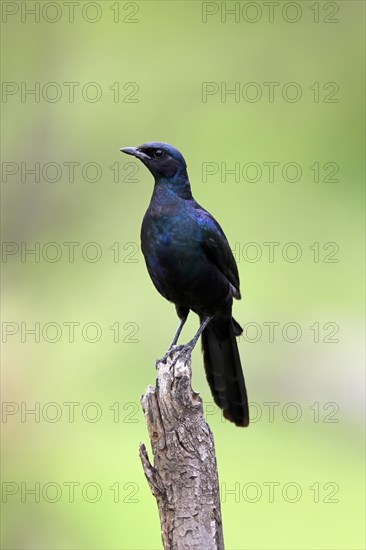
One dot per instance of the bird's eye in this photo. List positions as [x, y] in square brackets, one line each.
[158, 153]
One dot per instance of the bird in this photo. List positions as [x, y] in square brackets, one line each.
[191, 264]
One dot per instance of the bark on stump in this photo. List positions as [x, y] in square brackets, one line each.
[184, 477]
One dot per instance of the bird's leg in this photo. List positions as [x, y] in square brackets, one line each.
[177, 334]
[182, 312]
[175, 340]
[202, 327]
[186, 349]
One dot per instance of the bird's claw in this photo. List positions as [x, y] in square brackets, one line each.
[183, 350]
[166, 356]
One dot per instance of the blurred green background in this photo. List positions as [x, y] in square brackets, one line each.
[295, 478]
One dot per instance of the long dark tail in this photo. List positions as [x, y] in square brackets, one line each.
[223, 369]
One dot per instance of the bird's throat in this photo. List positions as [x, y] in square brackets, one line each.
[177, 186]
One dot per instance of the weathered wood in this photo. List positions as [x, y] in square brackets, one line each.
[184, 477]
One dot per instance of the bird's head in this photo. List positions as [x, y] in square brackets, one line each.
[163, 160]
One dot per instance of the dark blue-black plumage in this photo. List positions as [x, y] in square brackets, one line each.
[191, 264]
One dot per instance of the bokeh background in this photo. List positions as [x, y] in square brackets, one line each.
[295, 478]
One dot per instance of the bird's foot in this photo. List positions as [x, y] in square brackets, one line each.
[165, 358]
[182, 352]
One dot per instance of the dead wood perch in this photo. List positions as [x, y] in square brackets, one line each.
[184, 477]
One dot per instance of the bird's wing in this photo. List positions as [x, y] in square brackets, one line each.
[217, 248]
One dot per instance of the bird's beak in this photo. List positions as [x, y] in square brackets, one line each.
[135, 152]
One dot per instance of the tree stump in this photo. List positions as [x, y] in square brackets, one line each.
[184, 477]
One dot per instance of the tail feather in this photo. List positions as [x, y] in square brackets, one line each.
[223, 369]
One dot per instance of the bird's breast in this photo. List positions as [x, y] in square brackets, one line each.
[170, 238]
[177, 263]
[169, 241]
